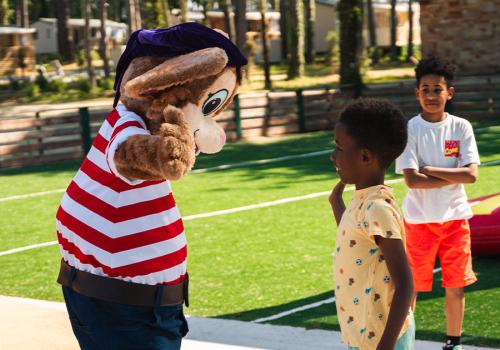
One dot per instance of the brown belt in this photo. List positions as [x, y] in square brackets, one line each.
[118, 291]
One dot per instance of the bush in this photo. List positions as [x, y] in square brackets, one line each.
[57, 86]
[106, 83]
[83, 85]
[31, 89]
[333, 48]
[80, 57]
[17, 83]
[42, 82]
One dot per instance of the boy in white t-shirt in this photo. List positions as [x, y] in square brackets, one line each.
[441, 155]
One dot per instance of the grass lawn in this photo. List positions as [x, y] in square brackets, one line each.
[248, 264]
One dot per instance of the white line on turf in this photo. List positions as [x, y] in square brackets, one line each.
[29, 195]
[262, 161]
[220, 167]
[297, 309]
[204, 170]
[306, 307]
[214, 213]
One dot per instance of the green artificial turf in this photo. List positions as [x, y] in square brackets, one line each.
[248, 264]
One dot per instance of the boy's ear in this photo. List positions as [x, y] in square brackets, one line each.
[367, 156]
[451, 92]
[417, 93]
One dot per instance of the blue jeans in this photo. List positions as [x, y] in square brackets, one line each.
[405, 342]
[99, 324]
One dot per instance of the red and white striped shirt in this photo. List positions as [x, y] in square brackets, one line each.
[112, 226]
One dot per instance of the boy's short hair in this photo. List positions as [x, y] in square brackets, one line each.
[434, 65]
[378, 126]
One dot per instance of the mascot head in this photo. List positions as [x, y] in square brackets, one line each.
[189, 66]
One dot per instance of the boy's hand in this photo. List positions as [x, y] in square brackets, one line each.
[336, 192]
[461, 175]
[336, 201]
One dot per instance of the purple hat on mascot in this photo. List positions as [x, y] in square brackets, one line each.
[174, 41]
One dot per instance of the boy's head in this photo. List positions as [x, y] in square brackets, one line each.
[434, 79]
[369, 136]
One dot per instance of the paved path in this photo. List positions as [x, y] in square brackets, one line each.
[43, 325]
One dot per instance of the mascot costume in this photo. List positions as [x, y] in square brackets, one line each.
[123, 269]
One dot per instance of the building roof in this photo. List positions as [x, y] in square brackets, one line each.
[16, 30]
[250, 15]
[80, 22]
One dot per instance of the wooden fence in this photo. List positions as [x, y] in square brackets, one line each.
[65, 134]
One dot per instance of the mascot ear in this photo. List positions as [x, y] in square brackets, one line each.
[178, 70]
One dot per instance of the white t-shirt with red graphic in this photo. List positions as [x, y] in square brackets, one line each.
[446, 144]
[111, 226]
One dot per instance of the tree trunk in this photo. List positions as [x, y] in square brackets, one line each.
[265, 44]
[184, 10]
[134, 15]
[22, 13]
[4, 12]
[131, 16]
[310, 20]
[394, 24]
[17, 12]
[409, 52]
[115, 12]
[86, 36]
[165, 9]
[351, 44]
[204, 10]
[227, 8]
[64, 34]
[103, 47]
[372, 31]
[296, 39]
[240, 7]
[284, 28]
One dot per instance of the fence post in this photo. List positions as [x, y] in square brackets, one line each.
[39, 129]
[300, 110]
[85, 124]
[237, 116]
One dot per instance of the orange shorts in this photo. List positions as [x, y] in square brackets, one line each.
[451, 242]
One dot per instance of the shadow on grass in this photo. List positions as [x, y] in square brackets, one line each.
[273, 310]
[325, 316]
[487, 140]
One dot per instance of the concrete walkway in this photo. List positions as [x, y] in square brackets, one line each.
[44, 325]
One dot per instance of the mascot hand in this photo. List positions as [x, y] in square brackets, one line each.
[177, 153]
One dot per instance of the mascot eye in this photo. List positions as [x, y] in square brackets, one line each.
[214, 101]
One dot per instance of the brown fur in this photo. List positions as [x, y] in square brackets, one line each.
[155, 88]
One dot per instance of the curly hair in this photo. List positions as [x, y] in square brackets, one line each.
[378, 126]
[434, 65]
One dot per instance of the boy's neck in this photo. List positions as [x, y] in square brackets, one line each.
[370, 180]
[434, 117]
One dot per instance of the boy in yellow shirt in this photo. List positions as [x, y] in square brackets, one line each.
[373, 281]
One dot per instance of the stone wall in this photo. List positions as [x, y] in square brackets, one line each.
[464, 31]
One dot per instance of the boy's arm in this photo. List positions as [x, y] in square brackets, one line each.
[397, 263]
[336, 201]
[415, 179]
[463, 175]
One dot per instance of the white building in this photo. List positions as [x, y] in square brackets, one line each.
[46, 38]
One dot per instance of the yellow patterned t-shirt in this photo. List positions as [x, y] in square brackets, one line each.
[363, 285]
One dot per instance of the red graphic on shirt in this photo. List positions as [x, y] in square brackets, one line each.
[451, 148]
